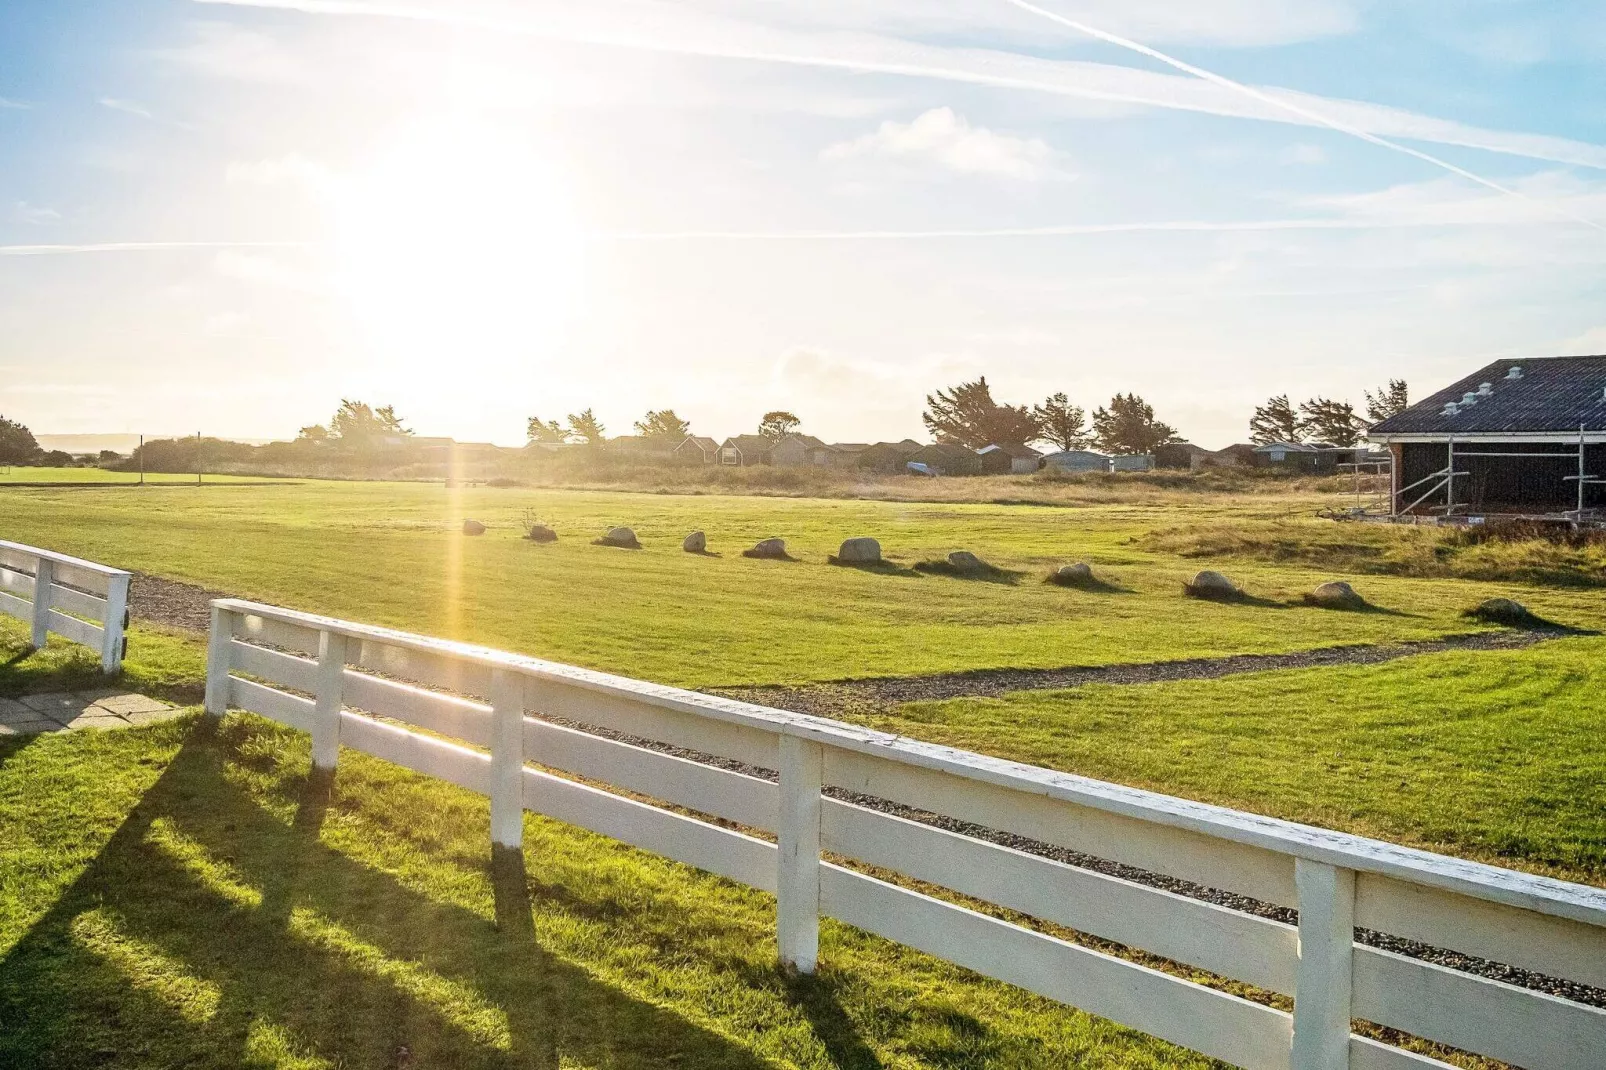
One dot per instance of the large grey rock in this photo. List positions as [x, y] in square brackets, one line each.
[1074, 575]
[1213, 581]
[772, 548]
[859, 551]
[541, 533]
[965, 561]
[473, 527]
[620, 537]
[695, 543]
[1503, 611]
[1335, 594]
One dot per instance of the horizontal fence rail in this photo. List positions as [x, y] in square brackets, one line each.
[78, 600]
[349, 684]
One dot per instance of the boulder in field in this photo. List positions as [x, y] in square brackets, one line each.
[770, 549]
[620, 537]
[859, 551]
[1335, 594]
[473, 527]
[1507, 611]
[1078, 575]
[965, 561]
[1212, 585]
[695, 543]
[541, 533]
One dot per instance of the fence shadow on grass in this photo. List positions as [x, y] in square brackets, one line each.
[208, 928]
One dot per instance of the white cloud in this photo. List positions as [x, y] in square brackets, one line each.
[33, 213]
[942, 138]
[6, 102]
[126, 106]
[226, 51]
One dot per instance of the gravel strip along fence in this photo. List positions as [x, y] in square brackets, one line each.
[184, 605]
[879, 695]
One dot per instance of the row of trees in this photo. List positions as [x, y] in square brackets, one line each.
[356, 424]
[1324, 419]
[968, 415]
[659, 425]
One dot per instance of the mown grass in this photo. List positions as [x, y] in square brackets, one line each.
[160, 662]
[68, 476]
[1388, 550]
[394, 554]
[173, 896]
[1492, 755]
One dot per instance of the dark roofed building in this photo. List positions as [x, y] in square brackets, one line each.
[697, 449]
[745, 450]
[1512, 437]
[947, 459]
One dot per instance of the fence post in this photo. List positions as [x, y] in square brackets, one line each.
[42, 580]
[507, 759]
[326, 716]
[797, 885]
[1326, 953]
[217, 661]
[111, 640]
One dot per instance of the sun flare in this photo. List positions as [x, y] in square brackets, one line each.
[460, 251]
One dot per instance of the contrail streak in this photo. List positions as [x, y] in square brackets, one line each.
[1294, 109]
[142, 247]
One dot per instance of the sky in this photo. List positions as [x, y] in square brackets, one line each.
[226, 216]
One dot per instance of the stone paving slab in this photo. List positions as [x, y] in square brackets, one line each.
[55, 711]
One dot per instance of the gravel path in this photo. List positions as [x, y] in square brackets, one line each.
[169, 602]
[878, 695]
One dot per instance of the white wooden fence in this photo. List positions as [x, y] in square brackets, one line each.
[260, 656]
[86, 602]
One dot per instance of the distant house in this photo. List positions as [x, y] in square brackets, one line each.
[1513, 437]
[885, 457]
[745, 451]
[697, 449]
[1304, 456]
[947, 459]
[643, 447]
[1077, 461]
[798, 451]
[1132, 462]
[1237, 455]
[1008, 460]
[1181, 455]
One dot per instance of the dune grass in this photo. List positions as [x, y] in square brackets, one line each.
[394, 554]
[177, 896]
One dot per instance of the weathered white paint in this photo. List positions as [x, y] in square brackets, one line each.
[1236, 1030]
[1336, 881]
[1225, 942]
[1515, 1025]
[331, 670]
[798, 881]
[53, 593]
[219, 660]
[1544, 943]
[1326, 943]
[507, 758]
[42, 579]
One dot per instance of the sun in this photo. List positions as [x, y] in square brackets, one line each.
[460, 252]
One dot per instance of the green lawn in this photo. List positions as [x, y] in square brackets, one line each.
[171, 897]
[392, 554]
[21, 474]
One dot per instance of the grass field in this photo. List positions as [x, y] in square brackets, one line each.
[68, 476]
[172, 897]
[392, 554]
